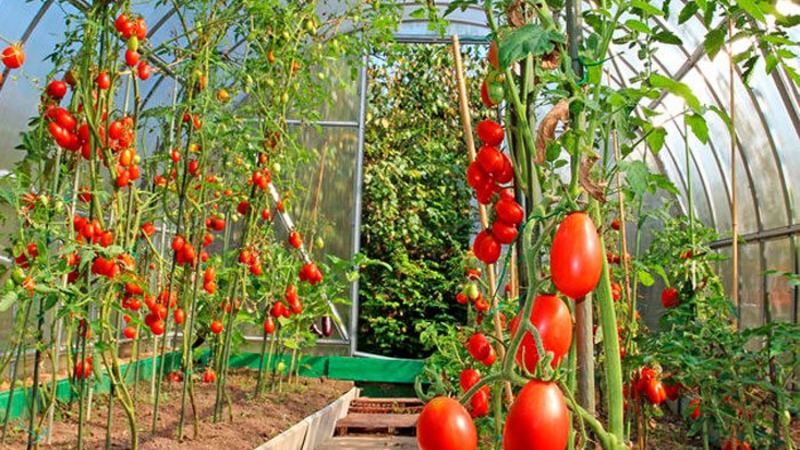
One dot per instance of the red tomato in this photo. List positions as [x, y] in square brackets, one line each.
[468, 378]
[129, 332]
[655, 391]
[143, 70]
[490, 358]
[509, 211]
[209, 376]
[57, 89]
[216, 326]
[538, 419]
[669, 297]
[479, 403]
[179, 316]
[178, 243]
[295, 240]
[157, 327]
[461, 299]
[131, 58]
[485, 98]
[13, 57]
[486, 248]
[576, 258]
[103, 80]
[269, 325]
[615, 224]
[493, 57]
[490, 132]
[445, 425]
[478, 346]
[503, 232]
[694, 406]
[491, 160]
[551, 317]
[476, 176]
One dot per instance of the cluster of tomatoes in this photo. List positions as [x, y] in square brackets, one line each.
[491, 170]
[471, 293]
[479, 402]
[13, 57]
[134, 31]
[252, 260]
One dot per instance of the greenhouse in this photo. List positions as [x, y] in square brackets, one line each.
[434, 225]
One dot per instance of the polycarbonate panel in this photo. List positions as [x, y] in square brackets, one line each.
[343, 88]
[780, 293]
[785, 139]
[721, 142]
[676, 145]
[751, 292]
[329, 178]
[754, 142]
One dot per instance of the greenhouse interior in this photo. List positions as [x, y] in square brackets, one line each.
[434, 225]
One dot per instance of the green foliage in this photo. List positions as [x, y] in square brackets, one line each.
[742, 377]
[417, 215]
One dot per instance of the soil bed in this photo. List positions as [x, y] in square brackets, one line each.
[255, 420]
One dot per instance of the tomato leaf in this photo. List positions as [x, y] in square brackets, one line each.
[638, 26]
[687, 12]
[8, 299]
[647, 8]
[527, 40]
[752, 8]
[645, 278]
[676, 88]
[714, 40]
[655, 139]
[698, 126]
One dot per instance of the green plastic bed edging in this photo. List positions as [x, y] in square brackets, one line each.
[397, 371]
[21, 401]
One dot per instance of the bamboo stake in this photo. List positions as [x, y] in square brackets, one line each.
[734, 197]
[466, 122]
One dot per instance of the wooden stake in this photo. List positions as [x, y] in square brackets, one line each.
[734, 197]
[466, 123]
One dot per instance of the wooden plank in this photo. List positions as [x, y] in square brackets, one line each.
[368, 421]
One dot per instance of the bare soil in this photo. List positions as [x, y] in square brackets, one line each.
[247, 424]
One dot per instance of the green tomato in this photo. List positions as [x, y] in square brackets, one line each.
[281, 366]
[496, 92]
[276, 168]
[471, 291]
[319, 243]
[9, 285]
[17, 276]
[59, 206]
[133, 44]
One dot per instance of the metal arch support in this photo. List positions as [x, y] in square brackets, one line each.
[357, 193]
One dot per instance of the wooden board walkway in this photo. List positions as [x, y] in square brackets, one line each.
[385, 416]
[370, 443]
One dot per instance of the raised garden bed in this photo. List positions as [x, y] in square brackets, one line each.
[248, 423]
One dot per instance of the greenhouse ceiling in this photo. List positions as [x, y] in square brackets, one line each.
[767, 126]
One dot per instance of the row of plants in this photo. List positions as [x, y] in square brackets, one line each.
[570, 200]
[416, 214]
[142, 227]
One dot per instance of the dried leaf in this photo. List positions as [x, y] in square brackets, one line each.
[514, 12]
[596, 189]
[552, 60]
[547, 128]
